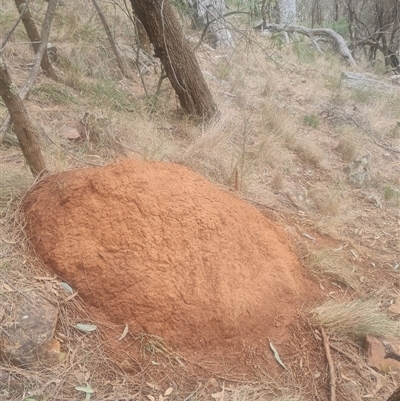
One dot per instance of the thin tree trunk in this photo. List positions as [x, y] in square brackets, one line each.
[109, 36]
[23, 93]
[34, 37]
[23, 127]
[211, 13]
[287, 11]
[351, 25]
[336, 18]
[176, 55]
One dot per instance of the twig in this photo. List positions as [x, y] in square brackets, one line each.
[332, 377]
[8, 35]
[351, 358]
[77, 158]
[193, 392]
[23, 93]
[110, 37]
[370, 133]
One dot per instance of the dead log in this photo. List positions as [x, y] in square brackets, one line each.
[312, 34]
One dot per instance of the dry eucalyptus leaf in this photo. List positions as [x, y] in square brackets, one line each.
[86, 327]
[124, 333]
[67, 287]
[153, 386]
[168, 391]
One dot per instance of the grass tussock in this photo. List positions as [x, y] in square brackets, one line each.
[355, 319]
[308, 153]
[347, 149]
[328, 264]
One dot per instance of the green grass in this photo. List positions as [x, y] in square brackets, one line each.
[311, 120]
[364, 95]
[49, 93]
[392, 194]
[340, 27]
[106, 93]
[304, 52]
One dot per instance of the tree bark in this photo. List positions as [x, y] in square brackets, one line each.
[286, 11]
[23, 127]
[34, 37]
[176, 55]
[213, 11]
[23, 93]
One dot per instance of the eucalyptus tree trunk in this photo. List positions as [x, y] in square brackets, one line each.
[211, 14]
[286, 11]
[176, 55]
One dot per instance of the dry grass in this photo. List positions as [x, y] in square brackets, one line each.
[330, 264]
[355, 319]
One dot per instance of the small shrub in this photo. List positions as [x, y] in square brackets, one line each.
[311, 120]
[277, 180]
[340, 27]
[392, 194]
[308, 154]
[347, 149]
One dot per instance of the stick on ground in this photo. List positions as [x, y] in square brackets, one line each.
[332, 377]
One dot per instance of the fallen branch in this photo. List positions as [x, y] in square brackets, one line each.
[332, 377]
[352, 359]
[312, 33]
[367, 131]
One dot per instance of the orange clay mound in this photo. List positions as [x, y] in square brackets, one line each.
[156, 246]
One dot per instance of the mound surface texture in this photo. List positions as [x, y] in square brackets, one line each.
[158, 247]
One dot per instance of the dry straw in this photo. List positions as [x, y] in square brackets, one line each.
[355, 319]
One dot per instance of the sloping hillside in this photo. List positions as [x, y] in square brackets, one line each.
[317, 157]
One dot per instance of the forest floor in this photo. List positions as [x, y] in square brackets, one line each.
[317, 158]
